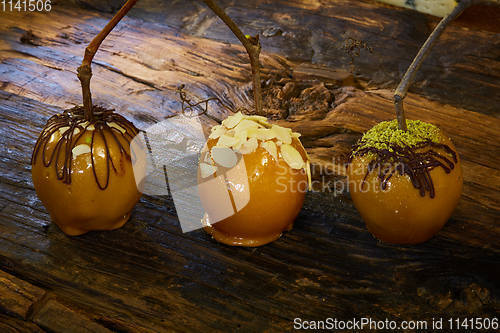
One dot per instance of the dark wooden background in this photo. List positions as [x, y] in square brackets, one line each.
[329, 67]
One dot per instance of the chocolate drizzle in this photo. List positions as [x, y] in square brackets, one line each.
[74, 119]
[416, 162]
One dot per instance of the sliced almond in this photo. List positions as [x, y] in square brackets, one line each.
[207, 170]
[87, 127]
[62, 130]
[237, 146]
[257, 118]
[80, 150]
[249, 146]
[216, 132]
[260, 119]
[55, 136]
[233, 120]
[292, 156]
[227, 141]
[242, 138]
[242, 135]
[206, 157]
[225, 157]
[118, 127]
[261, 133]
[271, 148]
[246, 124]
[308, 172]
[282, 133]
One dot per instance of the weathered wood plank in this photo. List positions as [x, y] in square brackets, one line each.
[468, 78]
[18, 296]
[15, 325]
[463, 69]
[58, 318]
[150, 276]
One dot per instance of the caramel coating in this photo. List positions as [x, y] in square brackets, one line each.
[399, 214]
[80, 206]
[276, 197]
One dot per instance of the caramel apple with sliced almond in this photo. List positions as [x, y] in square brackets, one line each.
[405, 184]
[252, 180]
[252, 175]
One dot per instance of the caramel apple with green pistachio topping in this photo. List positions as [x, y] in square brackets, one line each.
[405, 184]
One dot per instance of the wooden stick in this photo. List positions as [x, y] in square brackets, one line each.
[85, 70]
[252, 46]
[407, 79]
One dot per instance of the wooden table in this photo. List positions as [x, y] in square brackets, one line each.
[148, 275]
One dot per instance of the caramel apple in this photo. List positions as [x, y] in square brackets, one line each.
[82, 171]
[405, 184]
[252, 180]
[81, 164]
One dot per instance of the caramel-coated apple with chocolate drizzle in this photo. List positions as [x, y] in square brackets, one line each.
[405, 184]
[81, 165]
[82, 171]
[263, 190]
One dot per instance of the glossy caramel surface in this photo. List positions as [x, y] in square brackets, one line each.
[81, 206]
[400, 214]
[276, 194]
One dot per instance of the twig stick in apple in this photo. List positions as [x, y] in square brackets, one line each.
[252, 46]
[85, 70]
[407, 79]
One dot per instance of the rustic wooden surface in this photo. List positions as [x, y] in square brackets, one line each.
[149, 276]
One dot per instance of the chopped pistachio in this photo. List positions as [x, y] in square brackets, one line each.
[386, 134]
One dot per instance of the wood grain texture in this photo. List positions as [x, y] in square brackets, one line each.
[15, 325]
[148, 275]
[17, 296]
[463, 69]
[59, 319]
